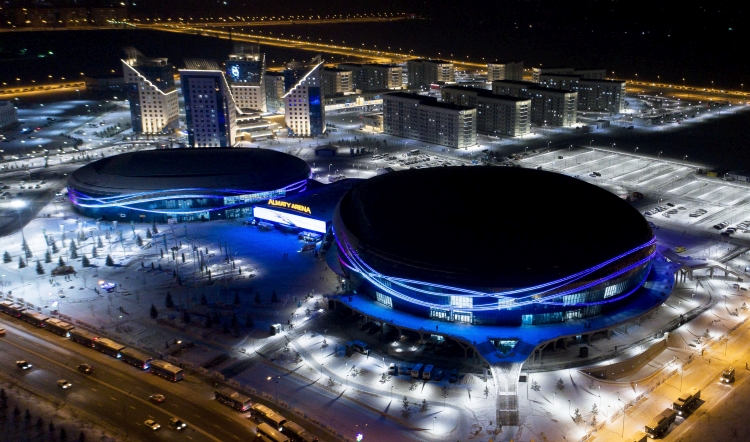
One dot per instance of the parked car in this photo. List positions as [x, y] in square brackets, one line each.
[454, 376]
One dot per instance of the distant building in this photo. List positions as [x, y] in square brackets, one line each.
[423, 73]
[589, 74]
[337, 81]
[592, 74]
[425, 119]
[496, 114]
[550, 107]
[105, 83]
[510, 70]
[8, 114]
[273, 86]
[593, 94]
[152, 94]
[304, 112]
[374, 77]
[210, 109]
[245, 71]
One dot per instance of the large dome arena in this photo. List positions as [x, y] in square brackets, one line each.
[490, 245]
[189, 184]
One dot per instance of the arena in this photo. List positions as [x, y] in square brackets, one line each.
[492, 246]
[186, 184]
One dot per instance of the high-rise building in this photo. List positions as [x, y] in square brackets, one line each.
[304, 112]
[510, 70]
[425, 119]
[8, 114]
[593, 94]
[374, 77]
[423, 73]
[549, 107]
[245, 71]
[337, 81]
[210, 109]
[152, 94]
[496, 114]
[273, 85]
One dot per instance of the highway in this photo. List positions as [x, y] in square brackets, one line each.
[116, 393]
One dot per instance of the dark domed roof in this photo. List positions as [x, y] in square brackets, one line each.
[243, 169]
[486, 226]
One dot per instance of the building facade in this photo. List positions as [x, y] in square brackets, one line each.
[152, 94]
[549, 107]
[245, 72]
[425, 119]
[273, 85]
[8, 114]
[304, 112]
[374, 77]
[593, 94]
[511, 70]
[210, 109]
[589, 74]
[337, 81]
[423, 73]
[496, 114]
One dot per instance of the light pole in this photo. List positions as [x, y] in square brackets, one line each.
[684, 158]
[636, 150]
[329, 169]
[658, 156]
[590, 143]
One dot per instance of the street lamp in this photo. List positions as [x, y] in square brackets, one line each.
[590, 143]
[684, 158]
[636, 150]
[657, 157]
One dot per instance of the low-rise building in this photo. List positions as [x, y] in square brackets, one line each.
[8, 114]
[496, 114]
[425, 119]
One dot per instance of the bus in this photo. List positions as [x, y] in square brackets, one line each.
[657, 427]
[83, 337]
[109, 347]
[271, 433]
[59, 327]
[297, 433]
[233, 399]
[14, 309]
[5, 306]
[265, 414]
[166, 370]
[33, 318]
[413, 152]
[136, 358]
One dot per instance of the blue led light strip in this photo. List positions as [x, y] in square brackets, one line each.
[357, 265]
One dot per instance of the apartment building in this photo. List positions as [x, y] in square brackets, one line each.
[337, 81]
[509, 70]
[210, 108]
[423, 73]
[496, 114]
[304, 112]
[150, 86]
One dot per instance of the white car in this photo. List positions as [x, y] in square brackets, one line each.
[152, 424]
[64, 384]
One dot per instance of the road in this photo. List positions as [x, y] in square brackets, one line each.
[116, 393]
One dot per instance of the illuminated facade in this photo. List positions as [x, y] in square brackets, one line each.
[210, 107]
[185, 184]
[511, 70]
[455, 280]
[151, 92]
[304, 112]
[423, 73]
[245, 70]
[496, 114]
[8, 114]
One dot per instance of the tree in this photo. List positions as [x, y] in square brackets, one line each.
[249, 323]
[405, 406]
[216, 318]
[204, 301]
[21, 263]
[63, 435]
[82, 437]
[6, 257]
[99, 243]
[154, 229]
[61, 262]
[148, 234]
[39, 423]
[577, 418]
[154, 312]
[138, 240]
[274, 296]
[51, 427]
[168, 301]
[25, 248]
[257, 298]
[233, 321]
[53, 244]
[186, 317]
[39, 268]
[93, 252]
[16, 412]
[109, 262]
[535, 386]
[27, 416]
[73, 250]
[47, 257]
[3, 399]
[209, 321]
[560, 385]
[594, 410]
[85, 261]
[593, 421]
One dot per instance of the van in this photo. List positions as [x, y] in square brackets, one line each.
[404, 369]
[392, 369]
[416, 371]
[427, 373]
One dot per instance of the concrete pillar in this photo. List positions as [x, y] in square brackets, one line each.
[506, 375]
[565, 343]
[609, 334]
[554, 345]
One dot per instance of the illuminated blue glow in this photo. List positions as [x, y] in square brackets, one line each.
[549, 293]
[290, 220]
[134, 201]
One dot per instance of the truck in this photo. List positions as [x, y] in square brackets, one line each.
[727, 376]
[657, 427]
[684, 403]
